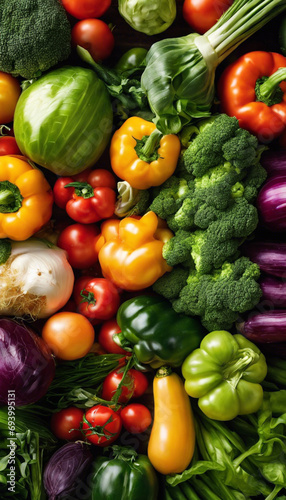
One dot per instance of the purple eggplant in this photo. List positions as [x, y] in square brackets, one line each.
[270, 256]
[274, 162]
[274, 291]
[271, 203]
[265, 327]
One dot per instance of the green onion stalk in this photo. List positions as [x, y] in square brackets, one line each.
[180, 72]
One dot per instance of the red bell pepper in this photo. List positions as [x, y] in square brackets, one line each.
[87, 197]
[252, 89]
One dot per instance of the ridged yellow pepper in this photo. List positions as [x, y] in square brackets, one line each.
[26, 198]
[130, 251]
[143, 156]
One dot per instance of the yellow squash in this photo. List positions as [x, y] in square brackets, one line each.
[172, 440]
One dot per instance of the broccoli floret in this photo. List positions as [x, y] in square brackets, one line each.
[183, 219]
[252, 182]
[205, 151]
[222, 141]
[34, 36]
[218, 186]
[170, 197]
[219, 298]
[210, 247]
[178, 249]
[170, 284]
[241, 150]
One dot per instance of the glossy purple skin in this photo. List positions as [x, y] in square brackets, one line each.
[274, 162]
[26, 363]
[64, 468]
[270, 256]
[271, 203]
[267, 327]
[274, 291]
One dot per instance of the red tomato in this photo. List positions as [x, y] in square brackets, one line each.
[82, 9]
[201, 15]
[8, 146]
[105, 337]
[95, 36]
[101, 425]
[134, 386]
[79, 241]
[65, 420]
[97, 299]
[136, 418]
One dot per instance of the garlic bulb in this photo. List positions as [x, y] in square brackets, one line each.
[36, 279]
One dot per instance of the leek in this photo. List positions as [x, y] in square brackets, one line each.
[180, 72]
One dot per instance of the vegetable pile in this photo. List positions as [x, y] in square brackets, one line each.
[142, 254]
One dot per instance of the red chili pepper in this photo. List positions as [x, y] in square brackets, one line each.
[88, 197]
[253, 90]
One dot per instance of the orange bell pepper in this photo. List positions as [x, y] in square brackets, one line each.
[141, 155]
[252, 89]
[26, 198]
[130, 251]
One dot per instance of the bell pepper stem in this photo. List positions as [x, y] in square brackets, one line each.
[234, 369]
[146, 148]
[10, 197]
[267, 88]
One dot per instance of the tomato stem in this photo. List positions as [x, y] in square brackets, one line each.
[87, 296]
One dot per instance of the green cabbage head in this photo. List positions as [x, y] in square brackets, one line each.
[148, 16]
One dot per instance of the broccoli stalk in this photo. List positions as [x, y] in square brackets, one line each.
[34, 36]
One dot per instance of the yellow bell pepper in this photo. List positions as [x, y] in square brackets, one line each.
[26, 198]
[130, 251]
[141, 155]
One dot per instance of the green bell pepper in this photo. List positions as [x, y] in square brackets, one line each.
[225, 374]
[123, 476]
[155, 333]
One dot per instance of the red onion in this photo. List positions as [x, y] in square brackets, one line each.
[26, 363]
[65, 467]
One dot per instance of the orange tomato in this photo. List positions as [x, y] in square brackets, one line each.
[10, 91]
[69, 335]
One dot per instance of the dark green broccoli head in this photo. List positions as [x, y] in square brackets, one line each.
[170, 284]
[219, 298]
[205, 151]
[241, 150]
[34, 36]
[183, 219]
[170, 197]
[178, 249]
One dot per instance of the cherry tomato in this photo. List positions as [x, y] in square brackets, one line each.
[65, 420]
[201, 15]
[10, 91]
[95, 36]
[69, 335]
[8, 146]
[134, 386]
[101, 425]
[82, 9]
[106, 334]
[136, 418]
[98, 299]
[79, 241]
